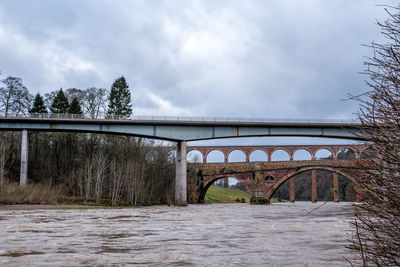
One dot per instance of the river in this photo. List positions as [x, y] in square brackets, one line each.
[284, 234]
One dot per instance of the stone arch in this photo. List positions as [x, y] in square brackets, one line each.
[289, 176]
[326, 149]
[206, 186]
[191, 157]
[303, 149]
[240, 151]
[281, 149]
[217, 151]
[258, 149]
[345, 149]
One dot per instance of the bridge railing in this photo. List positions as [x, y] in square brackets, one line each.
[172, 118]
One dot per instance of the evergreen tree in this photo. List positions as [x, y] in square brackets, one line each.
[120, 98]
[38, 105]
[75, 107]
[60, 103]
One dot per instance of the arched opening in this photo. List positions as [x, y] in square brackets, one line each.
[346, 154]
[171, 156]
[302, 186]
[302, 154]
[152, 156]
[325, 187]
[346, 190]
[215, 156]
[194, 156]
[368, 153]
[323, 154]
[237, 156]
[269, 178]
[258, 155]
[218, 192]
[280, 155]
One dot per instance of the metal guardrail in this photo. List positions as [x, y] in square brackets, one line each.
[173, 118]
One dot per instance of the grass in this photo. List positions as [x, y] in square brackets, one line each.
[219, 195]
[13, 193]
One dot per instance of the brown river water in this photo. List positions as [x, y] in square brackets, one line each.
[284, 234]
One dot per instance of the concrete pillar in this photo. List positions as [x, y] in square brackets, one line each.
[226, 182]
[291, 189]
[24, 158]
[181, 175]
[314, 186]
[335, 187]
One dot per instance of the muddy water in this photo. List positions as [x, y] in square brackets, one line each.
[213, 235]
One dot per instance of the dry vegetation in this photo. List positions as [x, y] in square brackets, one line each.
[377, 228]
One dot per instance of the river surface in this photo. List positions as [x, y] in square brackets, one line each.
[284, 234]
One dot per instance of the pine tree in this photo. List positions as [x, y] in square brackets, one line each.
[120, 98]
[60, 103]
[38, 105]
[75, 107]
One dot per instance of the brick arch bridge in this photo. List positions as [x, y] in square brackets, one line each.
[262, 179]
[269, 150]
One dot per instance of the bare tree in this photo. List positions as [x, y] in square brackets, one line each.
[377, 227]
[95, 102]
[14, 96]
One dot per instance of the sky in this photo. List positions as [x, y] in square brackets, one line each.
[234, 58]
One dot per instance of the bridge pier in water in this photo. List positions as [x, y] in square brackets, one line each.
[335, 187]
[291, 190]
[24, 158]
[181, 175]
[314, 195]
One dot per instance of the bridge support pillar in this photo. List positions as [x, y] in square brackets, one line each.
[291, 190]
[24, 158]
[181, 175]
[314, 186]
[335, 187]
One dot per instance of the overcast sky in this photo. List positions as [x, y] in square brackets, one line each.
[272, 59]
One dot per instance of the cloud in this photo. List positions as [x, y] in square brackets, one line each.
[295, 59]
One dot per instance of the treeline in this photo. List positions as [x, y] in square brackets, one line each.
[106, 169]
[15, 99]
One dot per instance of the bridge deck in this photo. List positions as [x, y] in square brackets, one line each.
[188, 128]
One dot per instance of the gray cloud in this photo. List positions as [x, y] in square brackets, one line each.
[294, 59]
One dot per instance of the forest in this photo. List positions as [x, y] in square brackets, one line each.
[102, 169]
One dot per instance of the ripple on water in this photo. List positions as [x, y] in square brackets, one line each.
[235, 235]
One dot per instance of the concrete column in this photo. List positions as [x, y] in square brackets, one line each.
[314, 186]
[335, 187]
[24, 158]
[181, 175]
[291, 189]
[226, 182]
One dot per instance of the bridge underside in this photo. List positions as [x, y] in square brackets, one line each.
[185, 130]
[262, 179]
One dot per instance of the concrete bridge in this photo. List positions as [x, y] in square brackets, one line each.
[178, 129]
